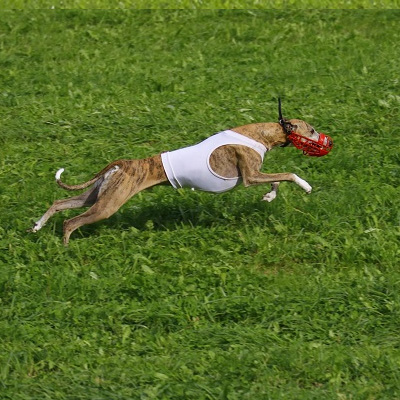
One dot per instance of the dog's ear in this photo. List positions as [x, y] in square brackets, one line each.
[285, 124]
[288, 127]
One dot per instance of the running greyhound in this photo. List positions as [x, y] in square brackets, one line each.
[215, 165]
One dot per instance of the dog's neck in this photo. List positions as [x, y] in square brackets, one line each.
[270, 134]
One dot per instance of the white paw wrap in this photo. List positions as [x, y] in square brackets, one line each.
[303, 184]
[58, 173]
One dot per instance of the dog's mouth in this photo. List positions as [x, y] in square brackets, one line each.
[311, 147]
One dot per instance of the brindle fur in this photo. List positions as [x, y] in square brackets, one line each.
[120, 180]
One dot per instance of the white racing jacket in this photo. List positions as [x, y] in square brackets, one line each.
[190, 167]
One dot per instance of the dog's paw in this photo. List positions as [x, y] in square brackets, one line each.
[269, 196]
[308, 189]
[303, 184]
[34, 228]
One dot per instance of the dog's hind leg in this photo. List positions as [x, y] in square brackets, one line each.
[100, 210]
[117, 188]
[114, 192]
[85, 199]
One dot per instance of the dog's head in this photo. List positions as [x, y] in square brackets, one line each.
[303, 136]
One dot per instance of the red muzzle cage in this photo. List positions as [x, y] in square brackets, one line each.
[310, 147]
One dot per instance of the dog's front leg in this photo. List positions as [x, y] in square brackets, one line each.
[249, 166]
[257, 178]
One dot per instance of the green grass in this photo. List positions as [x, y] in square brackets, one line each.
[184, 295]
[199, 4]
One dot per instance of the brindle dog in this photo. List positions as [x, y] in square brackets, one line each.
[120, 180]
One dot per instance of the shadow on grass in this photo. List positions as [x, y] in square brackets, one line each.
[160, 214]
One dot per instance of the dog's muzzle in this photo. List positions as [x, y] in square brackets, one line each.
[310, 147]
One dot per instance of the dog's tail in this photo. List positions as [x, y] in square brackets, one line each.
[85, 184]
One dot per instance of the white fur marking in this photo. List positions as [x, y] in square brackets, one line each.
[269, 196]
[303, 184]
[111, 171]
[38, 225]
[58, 174]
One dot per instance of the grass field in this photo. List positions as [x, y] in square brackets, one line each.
[188, 295]
[199, 4]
